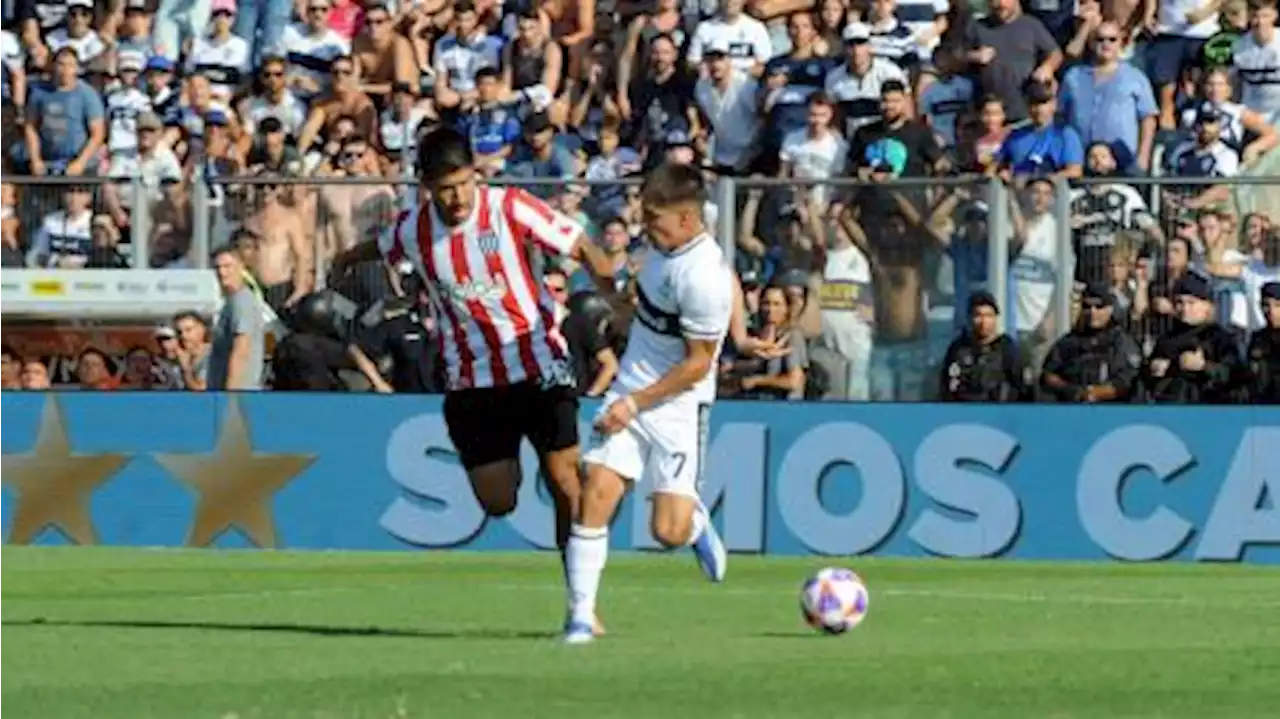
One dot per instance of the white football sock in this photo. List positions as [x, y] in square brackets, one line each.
[698, 525]
[585, 558]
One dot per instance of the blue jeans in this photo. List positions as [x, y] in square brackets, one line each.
[177, 20]
[261, 23]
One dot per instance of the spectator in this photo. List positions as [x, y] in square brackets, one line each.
[1111, 101]
[262, 24]
[141, 372]
[947, 97]
[847, 303]
[95, 371]
[664, 18]
[730, 101]
[1101, 211]
[612, 162]
[123, 106]
[167, 360]
[815, 153]
[79, 35]
[541, 155]
[1044, 146]
[832, 16]
[11, 245]
[1009, 49]
[282, 257]
[1035, 273]
[238, 343]
[194, 350]
[981, 364]
[13, 65]
[459, 56]
[64, 239]
[1203, 156]
[104, 254]
[994, 131]
[134, 41]
[1257, 62]
[663, 100]
[891, 39]
[276, 100]
[158, 74]
[187, 121]
[1097, 361]
[1244, 276]
[64, 127]
[1263, 353]
[533, 64]
[492, 125]
[220, 56]
[1245, 131]
[150, 165]
[746, 38]
[312, 50]
[384, 58]
[1182, 27]
[346, 100]
[272, 154]
[895, 132]
[10, 368]
[346, 17]
[858, 83]
[777, 378]
[34, 376]
[398, 127]
[171, 225]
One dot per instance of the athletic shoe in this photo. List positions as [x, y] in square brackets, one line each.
[708, 548]
[578, 633]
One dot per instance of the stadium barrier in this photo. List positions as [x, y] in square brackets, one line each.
[1018, 482]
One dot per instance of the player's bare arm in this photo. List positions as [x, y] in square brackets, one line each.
[700, 354]
[586, 253]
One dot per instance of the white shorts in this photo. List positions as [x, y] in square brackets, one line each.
[663, 448]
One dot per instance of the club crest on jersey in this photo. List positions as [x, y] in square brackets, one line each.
[488, 242]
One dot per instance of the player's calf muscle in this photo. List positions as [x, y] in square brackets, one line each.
[600, 496]
[672, 519]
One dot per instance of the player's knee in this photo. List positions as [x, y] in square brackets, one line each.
[495, 487]
[498, 504]
[670, 531]
[600, 495]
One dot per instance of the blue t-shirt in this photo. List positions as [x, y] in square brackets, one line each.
[1110, 109]
[64, 117]
[490, 128]
[1030, 150]
[969, 266]
[561, 164]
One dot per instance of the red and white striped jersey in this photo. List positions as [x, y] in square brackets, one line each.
[496, 322]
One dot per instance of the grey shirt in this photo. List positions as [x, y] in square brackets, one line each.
[240, 315]
[1020, 45]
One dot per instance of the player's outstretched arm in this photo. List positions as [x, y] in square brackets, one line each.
[742, 339]
[598, 265]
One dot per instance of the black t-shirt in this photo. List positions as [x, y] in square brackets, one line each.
[1020, 45]
[870, 142]
[415, 361]
[586, 334]
[659, 108]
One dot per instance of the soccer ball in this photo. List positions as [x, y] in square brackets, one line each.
[834, 600]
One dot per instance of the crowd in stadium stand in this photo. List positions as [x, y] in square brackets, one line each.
[878, 286]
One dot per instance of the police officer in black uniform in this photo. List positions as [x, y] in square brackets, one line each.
[1198, 361]
[393, 332]
[1097, 361]
[981, 365]
[1263, 354]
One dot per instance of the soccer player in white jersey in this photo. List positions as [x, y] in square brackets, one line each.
[652, 427]
[508, 365]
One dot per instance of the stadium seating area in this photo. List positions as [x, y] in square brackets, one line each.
[862, 157]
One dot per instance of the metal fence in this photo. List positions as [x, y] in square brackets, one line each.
[878, 274]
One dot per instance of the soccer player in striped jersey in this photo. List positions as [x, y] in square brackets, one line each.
[508, 367]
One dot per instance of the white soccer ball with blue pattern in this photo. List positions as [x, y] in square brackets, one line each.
[834, 600]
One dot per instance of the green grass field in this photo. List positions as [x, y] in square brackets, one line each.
[110, 633]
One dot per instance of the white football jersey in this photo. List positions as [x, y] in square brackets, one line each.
[225, 63]
[685, 294]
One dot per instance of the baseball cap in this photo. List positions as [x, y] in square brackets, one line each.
[80, 3]
[716, 46]
[1207, 112]
[1193, 286]
[856, 32]
[136, 6]
[149, 121]
[1271, 291]
[130, 60]
[1039, 93]
[1098, 293]
[223, 6]
[159, 63]
[165, 332]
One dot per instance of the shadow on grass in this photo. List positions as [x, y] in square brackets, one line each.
[316, 630]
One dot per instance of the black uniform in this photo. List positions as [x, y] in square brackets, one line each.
[1263, 357]
[1166, 381]
[1087, 357]
[974, 371]
[414, 354]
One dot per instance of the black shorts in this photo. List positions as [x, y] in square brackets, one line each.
[487, 424]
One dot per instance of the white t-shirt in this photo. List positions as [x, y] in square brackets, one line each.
[735, 122]
[1216, 160]
[150, 171]
[1035, 272]
[311, 55]
[1258, 67]
[847, 301]
[290, 111]
[685, 294]
[746, 37]
[814, 158]
[1254, 275]
[859, 96]
[225, 63]
[12, 56]
[123, 107]
[1173, 19]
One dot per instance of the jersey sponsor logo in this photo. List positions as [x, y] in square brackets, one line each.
[480, 290]
[488, 242]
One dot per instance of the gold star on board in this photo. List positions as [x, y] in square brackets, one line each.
[53, 485]
[234, 486]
